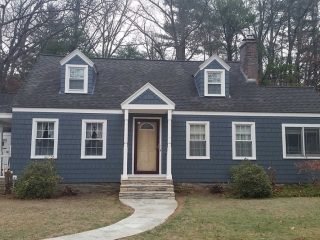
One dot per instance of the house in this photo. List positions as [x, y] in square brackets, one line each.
[106, 120]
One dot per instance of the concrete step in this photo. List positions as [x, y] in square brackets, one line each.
[145, 188]
[147, 182]
[147, 195]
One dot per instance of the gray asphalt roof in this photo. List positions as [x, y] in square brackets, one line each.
[118, 78]
[6, 102]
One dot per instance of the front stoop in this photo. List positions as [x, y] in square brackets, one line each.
[146, 188]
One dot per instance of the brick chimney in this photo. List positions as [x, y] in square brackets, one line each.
[249, 58]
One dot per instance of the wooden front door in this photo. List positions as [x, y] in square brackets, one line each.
[146, 146]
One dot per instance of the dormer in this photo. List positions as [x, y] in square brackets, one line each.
[212, 78]
[78, 74]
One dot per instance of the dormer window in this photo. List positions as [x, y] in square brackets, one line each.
[214, 82]
[76, 79]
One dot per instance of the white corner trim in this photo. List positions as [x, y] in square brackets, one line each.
[169, 104]
[75, 53]
[284, 145]
[223, 82]
[253, 140]
[104, 138]
[218, 59]
[67, 110]
[5, 115]
[207, 132]
[34, 134]
[246, 114]
[67, 79]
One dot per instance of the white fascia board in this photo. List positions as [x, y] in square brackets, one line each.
[126, 104]
[76, 52]
[62, 110]
[246, 114]
[218, 59]
[5, 115]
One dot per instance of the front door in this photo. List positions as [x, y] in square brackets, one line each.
[146, 146]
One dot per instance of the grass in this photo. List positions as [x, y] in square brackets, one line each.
[37, 219]
[307, 190]
[210, 217]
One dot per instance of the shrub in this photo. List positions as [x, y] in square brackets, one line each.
[296, 190]
[310, 167]
[250, 181]
[38, 180]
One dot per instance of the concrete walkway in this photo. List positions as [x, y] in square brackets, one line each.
[148, 214]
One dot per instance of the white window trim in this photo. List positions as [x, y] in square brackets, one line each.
[104, 139]
[284, 145]
[67, 79]
[253, 139]
[207, 132]
[223, 82]
[34, 134]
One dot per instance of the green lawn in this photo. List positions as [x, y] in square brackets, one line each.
[212, 217]
[38, 219]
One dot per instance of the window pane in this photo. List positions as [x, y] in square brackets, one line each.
[243, 132]
[311, 136]
[198, 148]
[93, 147]
[293, 140]
[76, 72]
[44, 147]
[214, 88]
[197, 132]
[243, 149]
[214, 77]
[94, 131]
[76, 84]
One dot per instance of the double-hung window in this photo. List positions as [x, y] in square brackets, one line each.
[214, 84]
[243, 140]
[301, 140]
[94, 137]
[76, 80]
[44, 142]
[198, 140]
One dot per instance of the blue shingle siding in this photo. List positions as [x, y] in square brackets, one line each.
[199, 78]
[147, 97]
[69, 164]
[217, 169]
[78, 61]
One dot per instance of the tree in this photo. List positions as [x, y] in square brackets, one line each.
[233, 17]
[179, 25]
[129, 52]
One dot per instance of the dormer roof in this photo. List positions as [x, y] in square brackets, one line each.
[211, 59]
[78, 53]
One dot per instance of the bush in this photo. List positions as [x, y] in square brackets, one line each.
[250, 181]
[39, 180]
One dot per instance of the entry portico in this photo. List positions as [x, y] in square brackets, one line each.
[147, 147]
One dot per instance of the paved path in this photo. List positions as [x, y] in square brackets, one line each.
[148, 214]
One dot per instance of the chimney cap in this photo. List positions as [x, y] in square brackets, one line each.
[249, 37]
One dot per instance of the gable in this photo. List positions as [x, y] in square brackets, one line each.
[147, 97]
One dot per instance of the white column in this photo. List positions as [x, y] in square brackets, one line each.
[169, 174]
[125, 146]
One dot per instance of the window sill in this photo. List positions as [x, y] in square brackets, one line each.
[244, 158]
[301, 157]
[215, 95]
[198, 158]
[93, 157]
[43, 157]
